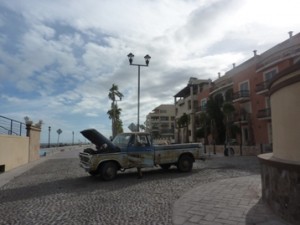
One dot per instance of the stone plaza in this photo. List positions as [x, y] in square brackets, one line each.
[55, 190]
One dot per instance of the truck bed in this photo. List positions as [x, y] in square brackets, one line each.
[176, 146]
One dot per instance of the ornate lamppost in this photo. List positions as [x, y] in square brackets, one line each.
[147, 60]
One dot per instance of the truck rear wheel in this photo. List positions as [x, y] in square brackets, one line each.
[185, 163]
[108, 171]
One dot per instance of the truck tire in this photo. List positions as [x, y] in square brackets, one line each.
[185, 163]
[165, 166]
[108, 171]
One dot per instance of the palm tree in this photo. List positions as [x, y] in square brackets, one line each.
[114, 115]
[115, 112]
[228, 109]
[216, 115]
[59, 131]
[204, 122]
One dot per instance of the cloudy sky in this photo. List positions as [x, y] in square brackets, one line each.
[59, 58]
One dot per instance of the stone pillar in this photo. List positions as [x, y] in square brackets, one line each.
[281, 169]
[33, 132]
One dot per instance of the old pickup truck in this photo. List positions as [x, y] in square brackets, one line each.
[129, 150]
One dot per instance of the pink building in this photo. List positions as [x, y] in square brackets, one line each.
[246, 87]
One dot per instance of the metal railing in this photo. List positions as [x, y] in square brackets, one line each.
[264, 113]
[12, 127]
[241, 94]
[263, 86]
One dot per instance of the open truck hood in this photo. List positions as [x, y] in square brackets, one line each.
[97, 138]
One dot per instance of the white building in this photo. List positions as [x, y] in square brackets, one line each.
[160, 122]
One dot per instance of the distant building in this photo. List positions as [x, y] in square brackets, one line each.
[160, 122]
[186, 103]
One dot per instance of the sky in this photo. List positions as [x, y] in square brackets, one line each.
[59, 58]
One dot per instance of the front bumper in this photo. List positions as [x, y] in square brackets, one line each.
[85, 161]
[86, 167]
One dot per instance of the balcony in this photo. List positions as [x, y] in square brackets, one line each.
[264, 114]
[221, 85]
[242, 118]
[262, 88]
[241, 96]
[154, 128]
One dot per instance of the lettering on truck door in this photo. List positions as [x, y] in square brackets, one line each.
[140, 151]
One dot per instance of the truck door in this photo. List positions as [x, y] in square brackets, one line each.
[140, 151]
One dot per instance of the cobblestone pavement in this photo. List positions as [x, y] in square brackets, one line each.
[58, 191]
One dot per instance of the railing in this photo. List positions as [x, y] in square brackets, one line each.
[280, 55]
[12, 127]
[218, 86]
[243, 117]
[262, 86]
[241, 94]
[264, 113]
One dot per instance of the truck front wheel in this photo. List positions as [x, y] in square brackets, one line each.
[185, 163]
[109, 171]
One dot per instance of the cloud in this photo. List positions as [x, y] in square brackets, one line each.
[58, 59]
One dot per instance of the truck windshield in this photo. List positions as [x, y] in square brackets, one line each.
[122, 140]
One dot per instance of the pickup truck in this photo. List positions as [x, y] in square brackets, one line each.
[136, 149]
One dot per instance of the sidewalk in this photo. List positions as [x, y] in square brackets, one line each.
[234, 201]
[11, 174]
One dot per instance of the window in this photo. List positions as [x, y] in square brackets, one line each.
[164, 118]
[244, 89]
[244, 86]
[143, 140]
[269, 74]
[203, 104]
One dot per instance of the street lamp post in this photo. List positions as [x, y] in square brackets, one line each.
[147, 60]
[49, 129]
[72, 137]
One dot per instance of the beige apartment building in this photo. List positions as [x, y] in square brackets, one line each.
[186, 103]
[160, 122]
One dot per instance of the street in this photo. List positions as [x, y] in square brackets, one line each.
[58, 191]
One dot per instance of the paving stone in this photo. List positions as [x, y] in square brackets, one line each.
[58, 191]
